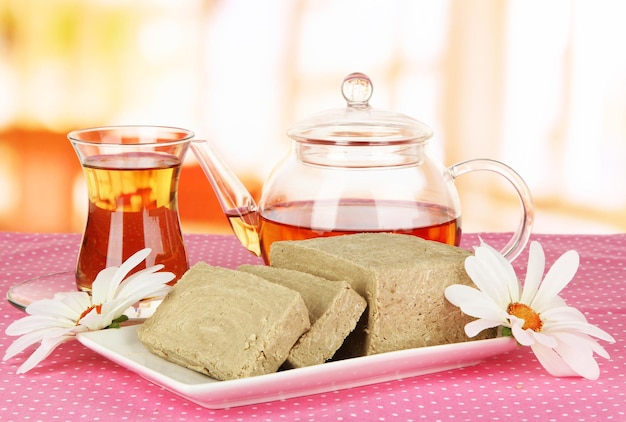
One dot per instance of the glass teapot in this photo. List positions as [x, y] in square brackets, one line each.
[351, 170]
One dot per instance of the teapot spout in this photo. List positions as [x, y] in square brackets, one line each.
[237, 203]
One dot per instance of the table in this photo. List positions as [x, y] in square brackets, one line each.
[75, 383]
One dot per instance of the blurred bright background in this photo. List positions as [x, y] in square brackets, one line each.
[539, 85]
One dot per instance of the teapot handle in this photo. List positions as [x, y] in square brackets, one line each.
[522, 234]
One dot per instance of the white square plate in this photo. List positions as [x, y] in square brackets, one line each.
[122, 347]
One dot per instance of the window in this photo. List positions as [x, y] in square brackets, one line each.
[540, 86]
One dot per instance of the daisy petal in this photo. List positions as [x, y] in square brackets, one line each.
[534, 272]
[43, 351]
[102, 288]
[142, 274]
[596, 348]
[131, 263]
[545, 339]
[579, 327]
[473, 328]
[144, 284]
[505, 273]
[96, 320]
[57, 308]
[105, 286]
[155, 287]
[485, 271]
[35, 323]
[457, 293]
[27, 340]
[558, 276]
[474, 303]
[563, 313]
[523, 337]
[581, 341]
[76, 301]
[580, 359]
[555, 302]
[552, 362]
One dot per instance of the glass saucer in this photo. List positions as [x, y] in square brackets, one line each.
[43, 287]
[46, 286]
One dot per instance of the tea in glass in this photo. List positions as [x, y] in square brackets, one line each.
[132, 176]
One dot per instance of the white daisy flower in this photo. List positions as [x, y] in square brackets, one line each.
[534, 314]
[54, 321]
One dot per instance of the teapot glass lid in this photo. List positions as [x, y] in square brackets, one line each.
[359, 123]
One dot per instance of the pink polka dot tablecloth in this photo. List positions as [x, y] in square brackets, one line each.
[75, 383]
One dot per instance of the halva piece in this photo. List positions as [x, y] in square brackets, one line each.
[225, 323]
[334, 310]
[402, 278]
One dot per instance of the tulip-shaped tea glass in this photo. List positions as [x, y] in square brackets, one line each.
[131, 173]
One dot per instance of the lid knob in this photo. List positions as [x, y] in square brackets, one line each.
[357, 89]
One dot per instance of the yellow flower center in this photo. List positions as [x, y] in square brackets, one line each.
[531, 318]
[98, 309]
